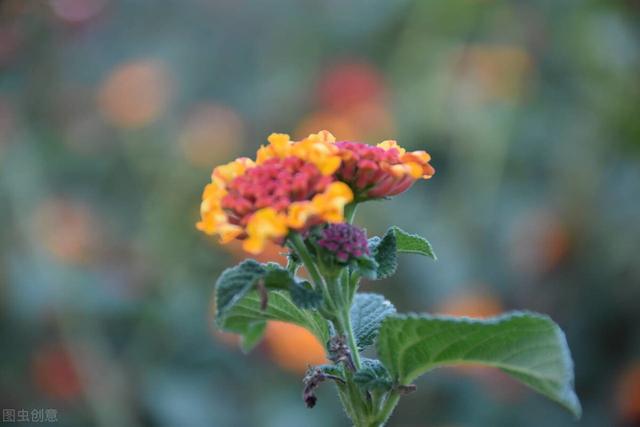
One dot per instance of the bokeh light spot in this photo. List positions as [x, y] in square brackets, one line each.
[135, 94]
[347, 84]
[473, 304]
[292, 347]
[54, 373]
[68, 230]
[211, 133]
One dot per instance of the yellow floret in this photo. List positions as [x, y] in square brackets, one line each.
[265, 224]
[330, 204]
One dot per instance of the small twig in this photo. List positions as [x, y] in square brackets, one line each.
[406, 389]
[312, 381]
[264, 295]
[339, 352]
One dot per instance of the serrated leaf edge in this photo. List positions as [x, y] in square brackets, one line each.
[431, 253]
[572, 403]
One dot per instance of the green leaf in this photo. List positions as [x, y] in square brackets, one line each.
[367, 313]
[235, 282]
[277, 277]
[252, 335]
[248, 311]
[412, 243]
[384, 252]
[529, 347]
[366, 266]
[304, 296]
[335, 370]
[302, 292]
[373, 376]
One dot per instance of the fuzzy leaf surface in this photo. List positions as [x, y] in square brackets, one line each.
[252, 335]
[412, 243]
[384, 252]
[304, 296]
[367, 313]
[529, 347]
[248, 311]
[373, 376]
[235, 282]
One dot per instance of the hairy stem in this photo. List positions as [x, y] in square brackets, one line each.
[301, 249]
[338, 292]
[386, 410]
[351, 339]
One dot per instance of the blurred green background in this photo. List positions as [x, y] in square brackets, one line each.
[113, 113]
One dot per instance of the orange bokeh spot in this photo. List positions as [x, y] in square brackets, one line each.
[539, 242]
[135, 94]
[373, 121]
[68, 230]
[363, 122]
[472, 304]
[336, 123]
[211, 133]
[271, 252]
[352, 104]
[628, 394]
[348, 84]
[54, 373]
[293, 347]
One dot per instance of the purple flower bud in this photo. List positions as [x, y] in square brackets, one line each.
[345, 241]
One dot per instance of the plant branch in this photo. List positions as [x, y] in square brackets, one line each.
[338, 292]
[301, 249]
[387, 409]
[350, 336]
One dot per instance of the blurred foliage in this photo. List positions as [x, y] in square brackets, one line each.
[113, 113]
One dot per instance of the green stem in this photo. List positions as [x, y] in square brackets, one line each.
[298, 244]
[348, 295]
[348, 402]
[301, 249]
[358, 406]
[386, 411]
[351, 339]
[350, 211]
[338, 292]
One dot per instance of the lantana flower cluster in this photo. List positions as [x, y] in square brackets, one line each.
[303, 195]
[295, 185]
[345, 241]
